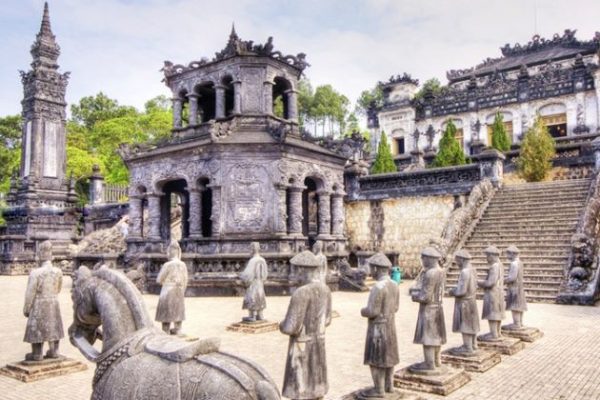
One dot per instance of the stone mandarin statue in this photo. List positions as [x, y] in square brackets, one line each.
[173, 277]
[466, 316]
[431, 328]
[307, 316]
[318, 252]
[493, 286]
[381, 347]
[515, 290]
[254, 277]
[44, 322]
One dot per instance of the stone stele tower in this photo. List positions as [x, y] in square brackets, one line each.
[235, 170]
[41, 199]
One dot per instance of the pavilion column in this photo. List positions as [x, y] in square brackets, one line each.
[154, 216]
[295, 210]
[597, 86]
[195, 213]
[337, 214]
[324, 213]
[282, 213]
[237, 97]
[219, 102]
[215, 216]
[268, 97]
[177, 111]
[292, 100]
[135, 217]
[193, 117]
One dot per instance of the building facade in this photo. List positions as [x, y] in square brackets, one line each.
[557, 79]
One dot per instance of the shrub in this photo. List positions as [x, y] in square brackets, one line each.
[537, 151]
[450, 152]
[384, 162]
[500, 139]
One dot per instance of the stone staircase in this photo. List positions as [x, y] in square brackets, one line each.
[539, 218]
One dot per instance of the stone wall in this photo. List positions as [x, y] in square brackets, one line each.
[405, 225]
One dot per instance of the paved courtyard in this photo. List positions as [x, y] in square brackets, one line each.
[562, 365]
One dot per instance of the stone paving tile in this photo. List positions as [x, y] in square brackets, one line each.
[561, 366]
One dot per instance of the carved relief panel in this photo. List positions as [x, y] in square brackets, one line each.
[252, 89]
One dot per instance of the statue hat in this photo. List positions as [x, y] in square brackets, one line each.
[305, 259]
[431, 252]
[492, 250]
[513, 249]
[462, 253]
[379, 260]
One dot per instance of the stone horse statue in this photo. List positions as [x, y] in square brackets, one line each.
[138, 361]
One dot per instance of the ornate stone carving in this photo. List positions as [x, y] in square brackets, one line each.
[246, 199]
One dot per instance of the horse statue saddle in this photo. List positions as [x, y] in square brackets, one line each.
[178, 350]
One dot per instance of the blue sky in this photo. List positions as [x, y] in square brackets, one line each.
[118, 46]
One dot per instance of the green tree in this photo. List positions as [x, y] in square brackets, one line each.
[384, 162]
[10, 149]
[100, 107]
[450, 152]
[537, 151]
[369, 98]
[500, 139]
[432, 84]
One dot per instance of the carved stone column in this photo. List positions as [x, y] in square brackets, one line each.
[337, 214]
[135, 217]
[268, 97]
[295, 211]
[194, 220]
[219, 101]
[216, 210]
[292, 110]
[96, 186]
[324, 213]
[282, 213]
[237, 97]
[193, 117]
[597, 86]
[177, 109]
[154, 216]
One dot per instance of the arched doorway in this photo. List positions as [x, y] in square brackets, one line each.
[205, 207]
[310, 210]
[280, 98]
[174, 208]
[206, 101]
[229, 95]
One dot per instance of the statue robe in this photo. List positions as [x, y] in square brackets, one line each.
[322, 267]
[173, 277]
[515, 290]
[493, 304]
[431, 327]
[308, 314]
[381, 346]
[44, 323]
[466, 316]
[254, 277]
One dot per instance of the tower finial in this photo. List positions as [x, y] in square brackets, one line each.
[46, 28]
[233, 34]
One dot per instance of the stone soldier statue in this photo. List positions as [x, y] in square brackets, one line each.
[44, 322]
[173, 277]
[466, 316]
[493, 285]
[381, 347]
[254, 277]
[431, 328]
[307, 316]
[322, 258]
[515, 293]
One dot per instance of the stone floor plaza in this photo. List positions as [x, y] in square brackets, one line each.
[562, 365]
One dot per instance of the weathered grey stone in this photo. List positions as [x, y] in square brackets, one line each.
[322, 258]
[254, 277]
[307, 316]
[137, 360]
[493, 302]
[173, 277]
[477, 361]
[515, 290]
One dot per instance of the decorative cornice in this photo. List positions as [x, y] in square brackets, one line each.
[404, 78]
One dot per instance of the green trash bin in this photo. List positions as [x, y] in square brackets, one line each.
[396, 275]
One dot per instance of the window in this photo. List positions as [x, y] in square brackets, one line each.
[556, 124]
[400, 145]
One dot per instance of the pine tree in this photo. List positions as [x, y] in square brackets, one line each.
[384, 162]
[537, 152]
[450, 152]
[500, 139]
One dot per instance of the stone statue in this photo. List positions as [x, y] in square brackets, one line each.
[307, 316]
[381, 347]
[138, 361]
[515, 293]
[431, 328]
[254, 277]
[493, 304]
[322, 258]
[466, 316]
[44, 322]
[173, 277]
[138, 277]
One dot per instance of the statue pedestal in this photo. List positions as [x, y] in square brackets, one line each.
[30, 371]
[357, 395]
[443, 381]
[478, 361]
[526, 333]
[253, 327]
[187, 338]
[503, 345]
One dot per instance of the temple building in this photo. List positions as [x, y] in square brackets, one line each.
[556, 78]
[236, 172]
[42, 199]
